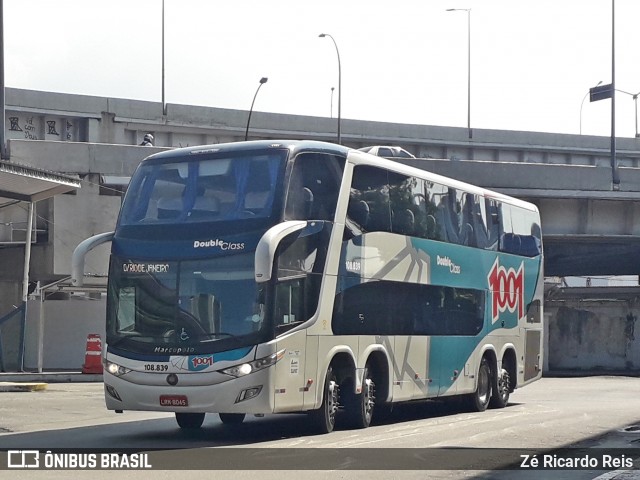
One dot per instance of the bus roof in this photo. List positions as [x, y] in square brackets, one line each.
[354, 156]
[291, 145]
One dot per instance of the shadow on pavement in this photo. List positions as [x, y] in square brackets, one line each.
[164, 433]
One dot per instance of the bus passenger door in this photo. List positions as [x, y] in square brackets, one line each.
[289, 312]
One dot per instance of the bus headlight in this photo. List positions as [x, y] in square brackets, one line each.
[115, 369]
[250, 367]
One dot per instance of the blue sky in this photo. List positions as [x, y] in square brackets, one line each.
[532, 61]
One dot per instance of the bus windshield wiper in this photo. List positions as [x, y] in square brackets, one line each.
[214, 335]
[123, 338]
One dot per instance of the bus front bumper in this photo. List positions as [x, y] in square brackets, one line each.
[248, 394]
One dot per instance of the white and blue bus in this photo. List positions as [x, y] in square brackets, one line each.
[294, 276]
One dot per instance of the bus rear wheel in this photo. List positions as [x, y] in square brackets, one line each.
[324, 418]
[360, 407]
[189, 421]
[501, 389]
[231, 418]
[479, 400]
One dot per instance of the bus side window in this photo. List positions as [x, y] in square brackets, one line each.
[402, 204]
[314, 184]
[468, 228]
[289, 302]
[520, 232]
[370, 186]
[358, 213]
[435, 220]
[493, 224]
[447, 219]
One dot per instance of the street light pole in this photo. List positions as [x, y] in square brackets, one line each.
[3, 141]
[468, 10]
[263, 80]
[635, 101]
[615, 174]
[164, 104]
[322, 35]
[582, 104]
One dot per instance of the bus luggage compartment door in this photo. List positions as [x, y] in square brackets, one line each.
[532, 354]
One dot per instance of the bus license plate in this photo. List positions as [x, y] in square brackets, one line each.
[174, 401]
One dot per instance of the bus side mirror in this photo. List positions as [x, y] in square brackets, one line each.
[268, 244]
[80, 252]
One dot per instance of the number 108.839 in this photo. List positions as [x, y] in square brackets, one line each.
[155, 367]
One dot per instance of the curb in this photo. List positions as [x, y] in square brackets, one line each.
[22, 387]
[49, 377]
[590, 373]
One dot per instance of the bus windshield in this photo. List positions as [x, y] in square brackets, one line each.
[183, 306]
[204, 189]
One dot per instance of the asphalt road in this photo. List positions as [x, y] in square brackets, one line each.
[552, 413]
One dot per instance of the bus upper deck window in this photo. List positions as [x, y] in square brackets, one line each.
[314, 185]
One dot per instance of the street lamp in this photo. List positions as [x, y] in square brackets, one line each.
[263, 80]
[332, 89]
[582, 104]
[468, 10]
[635, 100]
[322, 35]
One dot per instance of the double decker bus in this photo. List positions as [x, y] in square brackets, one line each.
[295, 276]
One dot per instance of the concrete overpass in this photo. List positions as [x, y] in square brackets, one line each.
[589, 229]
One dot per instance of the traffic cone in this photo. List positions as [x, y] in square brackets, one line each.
[93, 354]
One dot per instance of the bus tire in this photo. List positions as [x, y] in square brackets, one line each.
[231, 418]
[479, 400]
[361, 406]
[501, 389]
[324, 418]
[189, 421]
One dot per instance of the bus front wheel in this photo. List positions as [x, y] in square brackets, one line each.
[189, 421]
[479, 400]
[324, 418]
